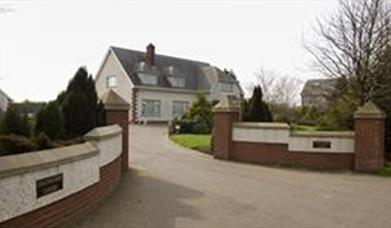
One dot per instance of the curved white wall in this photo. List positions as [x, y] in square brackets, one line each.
[79, 164]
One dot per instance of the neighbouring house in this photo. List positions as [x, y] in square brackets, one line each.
[160, 87]
[4, 101]
[29, 108]
[316, 92]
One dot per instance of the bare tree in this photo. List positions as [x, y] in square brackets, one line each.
[278, 89]
[350, 43]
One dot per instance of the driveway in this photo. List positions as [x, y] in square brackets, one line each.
[169, 186]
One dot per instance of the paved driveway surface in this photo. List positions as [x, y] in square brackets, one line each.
[169, 186]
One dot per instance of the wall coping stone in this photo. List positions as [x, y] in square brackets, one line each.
[369, 111]
[325, 134]
[100, 133]
[22, 163]
[264, 125]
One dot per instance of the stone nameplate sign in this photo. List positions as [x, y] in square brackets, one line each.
[321, 144]
[49, 185]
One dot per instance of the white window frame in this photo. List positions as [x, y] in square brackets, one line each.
[149, 79]
[177, 81]
[226, 87]
[185, 107]
[151, 108]
[111, 81]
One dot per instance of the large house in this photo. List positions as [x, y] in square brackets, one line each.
[159, 87]
[4, 101]
[317, 91]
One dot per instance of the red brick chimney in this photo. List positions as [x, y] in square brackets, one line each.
[150, 54]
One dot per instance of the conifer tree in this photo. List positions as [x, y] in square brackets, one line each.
[79, 104]
[50, 120]
[258, 111]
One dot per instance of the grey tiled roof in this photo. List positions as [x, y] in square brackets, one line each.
[191, 70]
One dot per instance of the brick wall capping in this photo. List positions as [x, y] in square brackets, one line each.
[369, 111]
[325, 134]
[113, 101]
[228, 104]
[22, 163]
[100, 133]
[263, 125]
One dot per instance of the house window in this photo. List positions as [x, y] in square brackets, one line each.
[150, 108]
[177, 81]
[149, 79]
[227, 87]
[179, 108]
[111, 81]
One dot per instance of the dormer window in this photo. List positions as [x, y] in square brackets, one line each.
[175, 77]
[149, 79]
[226, 87]
[177, 81]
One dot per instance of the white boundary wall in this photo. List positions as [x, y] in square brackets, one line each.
[80, 165]
[297, 141]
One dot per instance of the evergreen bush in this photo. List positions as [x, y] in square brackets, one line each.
[15, 123]
[50, 121]
[16, 144]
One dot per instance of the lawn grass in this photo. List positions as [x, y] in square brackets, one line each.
[191, 141]
[299, 127]
[386, 171]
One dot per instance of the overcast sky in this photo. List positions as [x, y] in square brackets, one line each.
[43, 43]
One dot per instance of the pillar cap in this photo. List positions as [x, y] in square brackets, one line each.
[113, 101]
[369, 111]
[228, 104]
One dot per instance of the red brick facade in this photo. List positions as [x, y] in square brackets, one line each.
[369, 144]
[134, 106]
[121, 117]
[222, 133]
[74, 206]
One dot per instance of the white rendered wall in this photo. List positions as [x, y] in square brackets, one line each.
[305, 144]
[110, 147]
[340, 142]
[166, 99]
[261, 132]
[124, 85]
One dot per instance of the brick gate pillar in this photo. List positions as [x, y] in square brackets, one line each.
[225, 113]
[117, 112]
[369, 138]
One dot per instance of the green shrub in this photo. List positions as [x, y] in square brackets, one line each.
[386, 171]
[201, 109]
[15, 123]
[185, 126]
[44, 142]
[68, 142]
[16, 144]
[200, 127]
[198, 120]
[50, 121]
[188, 126]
